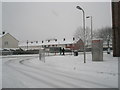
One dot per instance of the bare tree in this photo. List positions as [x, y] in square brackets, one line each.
[79, 34]
[105, 33]
[95, 34]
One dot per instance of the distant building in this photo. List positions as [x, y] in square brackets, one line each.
[54, 44]
[8, 41]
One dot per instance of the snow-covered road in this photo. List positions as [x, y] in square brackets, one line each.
[59, 72]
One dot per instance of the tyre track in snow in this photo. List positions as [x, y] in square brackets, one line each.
[51, 83]
[34, 77]
[51, 72]
[64, 74]
[20, 70]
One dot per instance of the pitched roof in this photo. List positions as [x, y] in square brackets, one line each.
[6, 34]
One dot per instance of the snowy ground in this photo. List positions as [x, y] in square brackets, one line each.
[68, 71]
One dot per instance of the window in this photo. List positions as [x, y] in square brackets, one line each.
[6, 43]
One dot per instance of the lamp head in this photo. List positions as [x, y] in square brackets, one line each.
[78, 7]
[88, 17]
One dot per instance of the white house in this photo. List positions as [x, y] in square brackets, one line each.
[8, 41]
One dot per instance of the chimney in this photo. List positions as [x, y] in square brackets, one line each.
[63, 39]
[48, 40]
[27, 41]
[3, 32]
[73, 39]
[55, 39]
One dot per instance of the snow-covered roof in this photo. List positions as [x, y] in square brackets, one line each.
[48, 43]
[1, 35]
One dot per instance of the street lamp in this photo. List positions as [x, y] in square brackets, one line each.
[78, 7]
[91, 32]
[91, 26]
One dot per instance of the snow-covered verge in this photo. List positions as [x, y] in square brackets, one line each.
[60, 72]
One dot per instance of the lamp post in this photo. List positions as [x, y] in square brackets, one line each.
[78, 7]
[91, 26]
[91, 32]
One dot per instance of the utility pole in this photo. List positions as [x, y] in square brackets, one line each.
[78, 7]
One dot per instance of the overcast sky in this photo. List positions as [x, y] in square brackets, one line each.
[43, 20]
